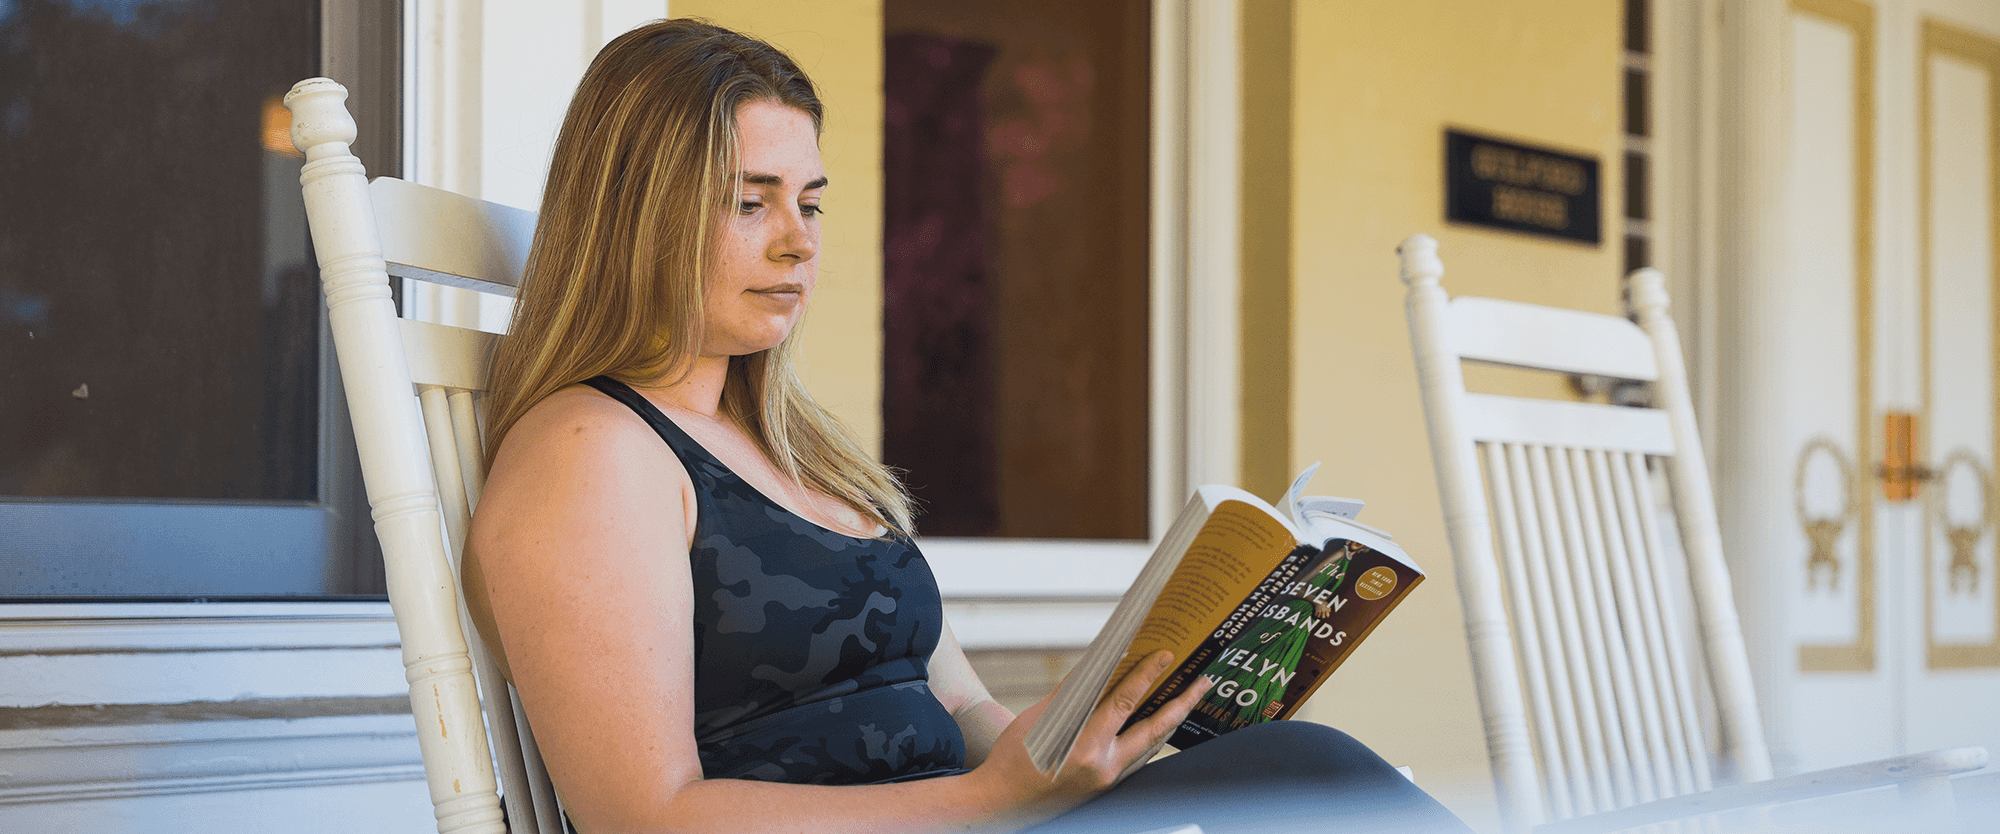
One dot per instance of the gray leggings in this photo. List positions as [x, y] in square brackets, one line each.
[1279, 776]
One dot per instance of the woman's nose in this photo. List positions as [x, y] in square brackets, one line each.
[798, 241]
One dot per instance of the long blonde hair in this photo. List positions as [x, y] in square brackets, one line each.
[643, 172]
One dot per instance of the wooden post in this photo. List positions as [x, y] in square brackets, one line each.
[395, 463]
[1701, 536]
[1439, 375]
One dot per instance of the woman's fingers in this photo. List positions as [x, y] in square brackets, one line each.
[1132, 690]
[1100, 754]
[1126, 697]
[1148, 733]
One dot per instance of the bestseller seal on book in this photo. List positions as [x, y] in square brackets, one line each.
[1375, 584]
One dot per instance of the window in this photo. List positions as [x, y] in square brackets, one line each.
[172, 416]
[1638, 134]
[1009, 590]
[1016, 384]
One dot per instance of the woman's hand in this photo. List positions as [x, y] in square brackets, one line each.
[1101, 756]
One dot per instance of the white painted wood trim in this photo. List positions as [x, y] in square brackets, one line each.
[1535, 422]
[1564, 764]
[403, 496]
[1527, 601]
[1559, 540]
[1533, 336]
[310, 656]
[1518, 786]
[78, 763]
[446, 357]
[128, 628]
[1214, 121]
[417, 88]
[145, 654]
[1744, 227]
[94, 678]
[1027, 623]
[442, 94]
[1031, 593]
[1729, 661]
[458, 240]
[1655, 580]
[1643, 721]
[1686, 182]
[1195, 309]
[1890, 771]
[1673, 765]
[1026, 568]
[1167, 325]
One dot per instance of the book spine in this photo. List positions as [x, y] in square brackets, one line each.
[1298, 639]
[1227, 631]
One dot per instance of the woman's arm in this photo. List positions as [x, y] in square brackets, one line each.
[980, 718]
[582, 541]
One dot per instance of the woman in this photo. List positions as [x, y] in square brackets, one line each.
[655, 464]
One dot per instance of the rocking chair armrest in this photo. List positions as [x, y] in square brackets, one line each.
[1838, 780]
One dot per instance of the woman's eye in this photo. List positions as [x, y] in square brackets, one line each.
[748, 207]
[811, 210]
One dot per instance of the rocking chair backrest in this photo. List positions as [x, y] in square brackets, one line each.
[1587, 677]
[412, 390]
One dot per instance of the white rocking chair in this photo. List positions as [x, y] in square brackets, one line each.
[1587, 680]
[410, 389]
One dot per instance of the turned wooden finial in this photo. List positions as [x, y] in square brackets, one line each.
[319, 116]
[1646, 291]
[1420, 260]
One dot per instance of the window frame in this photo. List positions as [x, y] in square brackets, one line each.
[291, 542]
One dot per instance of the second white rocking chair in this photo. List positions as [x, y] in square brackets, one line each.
[1589, 682]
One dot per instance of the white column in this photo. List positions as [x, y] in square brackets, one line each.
[487, 84]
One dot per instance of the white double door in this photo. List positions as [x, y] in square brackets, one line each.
[1859, 367]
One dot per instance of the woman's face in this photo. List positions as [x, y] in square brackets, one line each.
[767, 263]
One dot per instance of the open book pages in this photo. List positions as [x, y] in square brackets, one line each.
[1226, 557]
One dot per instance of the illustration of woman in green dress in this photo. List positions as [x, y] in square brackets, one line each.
[1252, 672]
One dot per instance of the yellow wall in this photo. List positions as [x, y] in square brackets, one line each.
[840, 46]
[1266, 224]
[1375, 84]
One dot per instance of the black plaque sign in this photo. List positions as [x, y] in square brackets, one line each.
[1521, 188]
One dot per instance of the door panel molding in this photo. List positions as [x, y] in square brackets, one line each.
[1941, 40]
[1859, 18]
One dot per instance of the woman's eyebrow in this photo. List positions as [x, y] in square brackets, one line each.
[774, 179]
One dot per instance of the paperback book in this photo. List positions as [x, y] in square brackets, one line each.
[1264, 604]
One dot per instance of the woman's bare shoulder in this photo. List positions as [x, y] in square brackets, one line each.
[580, 414]
[578, 487]
[580, 449]
[577, 425]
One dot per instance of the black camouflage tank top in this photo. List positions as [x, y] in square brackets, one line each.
[811, 648]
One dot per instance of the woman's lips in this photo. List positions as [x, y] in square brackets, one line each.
[781, 290]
